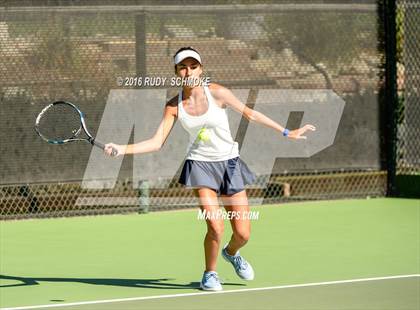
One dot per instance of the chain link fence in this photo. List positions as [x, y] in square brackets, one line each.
[79, 53]
[70, 199]
[408, 66]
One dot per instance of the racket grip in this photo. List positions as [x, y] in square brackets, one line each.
[102, 146]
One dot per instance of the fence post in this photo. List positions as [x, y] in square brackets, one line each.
[391, 92]
[140, 24]
[144, 200]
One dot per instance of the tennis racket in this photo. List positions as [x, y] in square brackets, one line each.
[61, 122]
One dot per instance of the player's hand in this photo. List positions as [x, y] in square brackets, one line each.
[114, 150]
[297, 133]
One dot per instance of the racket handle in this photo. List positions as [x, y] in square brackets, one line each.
[102, 146]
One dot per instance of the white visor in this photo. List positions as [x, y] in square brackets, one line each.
[187, 54]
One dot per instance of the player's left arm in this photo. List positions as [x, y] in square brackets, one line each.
[227, 99]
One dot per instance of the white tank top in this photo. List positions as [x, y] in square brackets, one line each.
[210, 137]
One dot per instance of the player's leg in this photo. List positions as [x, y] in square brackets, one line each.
[212, 240]
[215, 227]
[237, 204]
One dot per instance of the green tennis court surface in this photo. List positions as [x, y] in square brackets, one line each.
[149, 258]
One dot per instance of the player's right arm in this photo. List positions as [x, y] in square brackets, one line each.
[157, 141]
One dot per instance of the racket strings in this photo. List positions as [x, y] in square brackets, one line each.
[59, 122]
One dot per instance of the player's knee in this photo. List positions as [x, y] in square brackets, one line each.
[242, 236]
[215, 231]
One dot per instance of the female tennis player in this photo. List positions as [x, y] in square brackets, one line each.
[213, 166]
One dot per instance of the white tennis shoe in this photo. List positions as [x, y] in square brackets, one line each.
[242, 267]
[210, 282]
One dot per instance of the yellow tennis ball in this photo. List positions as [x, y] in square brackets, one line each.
[204, 135]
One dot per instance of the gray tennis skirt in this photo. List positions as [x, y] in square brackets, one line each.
[226, 177]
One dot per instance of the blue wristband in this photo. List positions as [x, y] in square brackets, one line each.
[286, 132]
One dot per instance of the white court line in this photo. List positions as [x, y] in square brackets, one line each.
[207, 293]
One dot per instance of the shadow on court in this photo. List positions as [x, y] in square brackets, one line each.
[141, 283]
